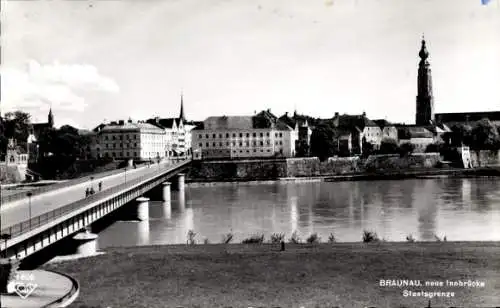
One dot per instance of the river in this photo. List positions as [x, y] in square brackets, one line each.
[460, 209]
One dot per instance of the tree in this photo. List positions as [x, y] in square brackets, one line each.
[323, 144]
[485, 136]
[434, 148]
[302, 149]
[389, 146]
[460, 134]
[406, 148]
[367, 148]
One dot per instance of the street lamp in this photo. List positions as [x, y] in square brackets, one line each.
[5, 237]
[29, 194]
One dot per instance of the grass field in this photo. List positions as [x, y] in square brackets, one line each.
[320, 275]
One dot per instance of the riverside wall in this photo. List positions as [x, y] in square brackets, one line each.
[245, 170]
[485, 158]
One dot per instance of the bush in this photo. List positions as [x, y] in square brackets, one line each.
[254, 239]
[406, 148]
[331, 238]
[191, 237]
[227, 238]
[277, 238]
[313, 238]
[369, 237]
[389, 146]
[295, 239]
[410, 239]
[205, 241]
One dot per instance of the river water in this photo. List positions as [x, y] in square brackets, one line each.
[460, 209]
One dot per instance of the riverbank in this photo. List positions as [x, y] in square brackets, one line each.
[410, 174]
[304, 275]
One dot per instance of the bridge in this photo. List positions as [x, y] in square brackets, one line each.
[36, 221]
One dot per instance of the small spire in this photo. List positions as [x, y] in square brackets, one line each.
[181, 115]
[423, 54]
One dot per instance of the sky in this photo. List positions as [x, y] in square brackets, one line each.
[107, 60]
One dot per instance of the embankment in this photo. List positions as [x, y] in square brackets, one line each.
[310, 167]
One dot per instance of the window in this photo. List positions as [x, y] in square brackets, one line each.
[234, 135]
[220, 143]
[128, 154]
[227, 143]
[220, 135]
[281, 142]
[276, 135]
[248, 135]
[105, 137]
[267, 134]
[200, 136]
[113, 137]
[208, 144]
[241, 144]
[234, 143]
[268, 142]
[254, 143]
[241, 135]
[214, 144]
[227, 135]
[247, 144]
[261, 143]
[200, 144]
[254, 135]
[281, 135]
[206, 135]
[254, 150]
[114, 145]
[262, 134]
[214, 135]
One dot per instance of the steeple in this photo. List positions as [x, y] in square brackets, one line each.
[181, 115]
[425, 99]
[50, 118]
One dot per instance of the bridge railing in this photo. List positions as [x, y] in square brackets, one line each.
[40, 220]
[40, 190]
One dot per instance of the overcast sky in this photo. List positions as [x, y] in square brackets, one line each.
[110, 59]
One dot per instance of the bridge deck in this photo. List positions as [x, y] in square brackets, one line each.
[49, 204]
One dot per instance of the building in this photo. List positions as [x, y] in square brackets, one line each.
[38, 128]
[389, 130]
[425, 98]
[129, 140]
[16, 155]
[369, 131]
[177, 133]
[232, 137]
[419, 136]
[302, 132]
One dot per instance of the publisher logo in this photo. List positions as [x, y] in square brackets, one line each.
[24, 289]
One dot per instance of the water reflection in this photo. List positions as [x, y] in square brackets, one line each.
[393, 209]
[142, 232]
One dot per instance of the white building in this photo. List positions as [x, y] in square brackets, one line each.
[229, 137]
[129, 140]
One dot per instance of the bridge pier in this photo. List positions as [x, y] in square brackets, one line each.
[87, 243]
[180, 182]
[166, 191]
[142, 208]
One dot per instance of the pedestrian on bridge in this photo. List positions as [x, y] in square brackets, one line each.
[100, 186]
[92, 191]
[87, 192]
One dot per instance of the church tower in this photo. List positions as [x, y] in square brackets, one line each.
[181, 115]
[50, 120]
[425, 99]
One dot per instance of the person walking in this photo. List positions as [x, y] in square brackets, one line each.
[87, 192]
[100, 186]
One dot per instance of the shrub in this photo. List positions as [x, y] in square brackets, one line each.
[369, 237]
[254, 239]
[205, 241]
[313, 238]
[191, 237]
[227, 238]
[331, 238]
[388, 146]
[406, 148]
[295, 239]
[277, 238]
[410, 239]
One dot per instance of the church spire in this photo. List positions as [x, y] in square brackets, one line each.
[50, 119]
[425, 99]
[181, 115]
